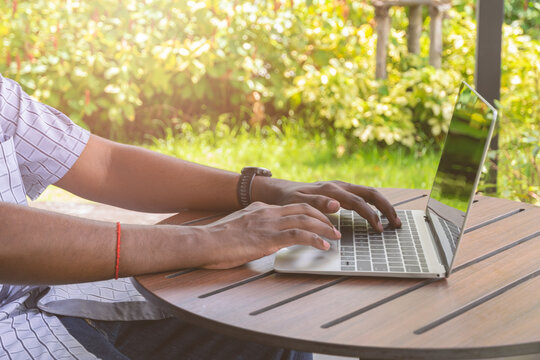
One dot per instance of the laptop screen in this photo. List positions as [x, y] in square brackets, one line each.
[459, 168]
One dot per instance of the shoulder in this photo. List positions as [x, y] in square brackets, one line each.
[10, 100]
[7, 85]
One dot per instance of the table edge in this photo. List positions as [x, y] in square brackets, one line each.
[528, 348]
[338, 349]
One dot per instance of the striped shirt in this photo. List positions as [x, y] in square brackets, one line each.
[38, 146]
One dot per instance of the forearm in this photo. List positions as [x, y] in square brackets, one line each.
[166, 184]
[39, 247]
[139, 179]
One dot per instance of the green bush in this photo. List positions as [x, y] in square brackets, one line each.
[519, 155]
[124, 68]
[525, 14]
[106, 63]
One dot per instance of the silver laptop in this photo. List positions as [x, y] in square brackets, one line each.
[425, 246]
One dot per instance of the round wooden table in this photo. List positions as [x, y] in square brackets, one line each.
[489, 307]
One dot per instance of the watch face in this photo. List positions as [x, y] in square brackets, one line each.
[256, 170]
[263, 172]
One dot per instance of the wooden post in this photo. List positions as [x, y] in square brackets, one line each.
[435, 36]
[383, 31]
[415, 29]
[487, 75]
[437, 8]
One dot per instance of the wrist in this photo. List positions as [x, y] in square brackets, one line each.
[205, 240]
[156, 248]
[264, 189]
[201, 247]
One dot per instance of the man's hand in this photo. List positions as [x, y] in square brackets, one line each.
[260, 230]
[119, 175]
[327, 197]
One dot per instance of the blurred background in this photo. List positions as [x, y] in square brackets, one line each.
[285, 84]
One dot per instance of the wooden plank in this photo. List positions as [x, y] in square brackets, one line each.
[378, 327]
[515, 312]
[476, 217]
[391, 327]
[473, 250]
[488, 207]
[204, 281]
[335, 301]
[375, 332]
[234, 275]
[497, 235]
[382, 287]
[269, 290]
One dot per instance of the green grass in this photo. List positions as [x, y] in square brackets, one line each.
[292, 154]
[296, 155]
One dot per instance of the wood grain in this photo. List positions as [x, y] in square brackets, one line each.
[385, 311]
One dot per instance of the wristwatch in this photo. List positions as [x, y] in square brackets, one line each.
[245, 182]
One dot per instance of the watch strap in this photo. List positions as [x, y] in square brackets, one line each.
[245, 183]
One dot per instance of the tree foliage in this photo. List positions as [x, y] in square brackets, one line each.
[121, 67]
[108, 62]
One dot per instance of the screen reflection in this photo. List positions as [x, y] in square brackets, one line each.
[459, 167]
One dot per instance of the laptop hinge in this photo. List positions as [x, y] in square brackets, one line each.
[440, 251]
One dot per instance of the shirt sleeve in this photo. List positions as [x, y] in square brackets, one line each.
[47, 142]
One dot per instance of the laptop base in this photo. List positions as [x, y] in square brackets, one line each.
[309, 260]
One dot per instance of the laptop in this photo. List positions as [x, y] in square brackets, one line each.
[426, 244]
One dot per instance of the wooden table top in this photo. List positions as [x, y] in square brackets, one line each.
[488, 307]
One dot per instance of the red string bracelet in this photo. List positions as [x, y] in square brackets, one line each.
[118, 240]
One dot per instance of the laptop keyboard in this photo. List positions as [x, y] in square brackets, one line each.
[394, 250]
